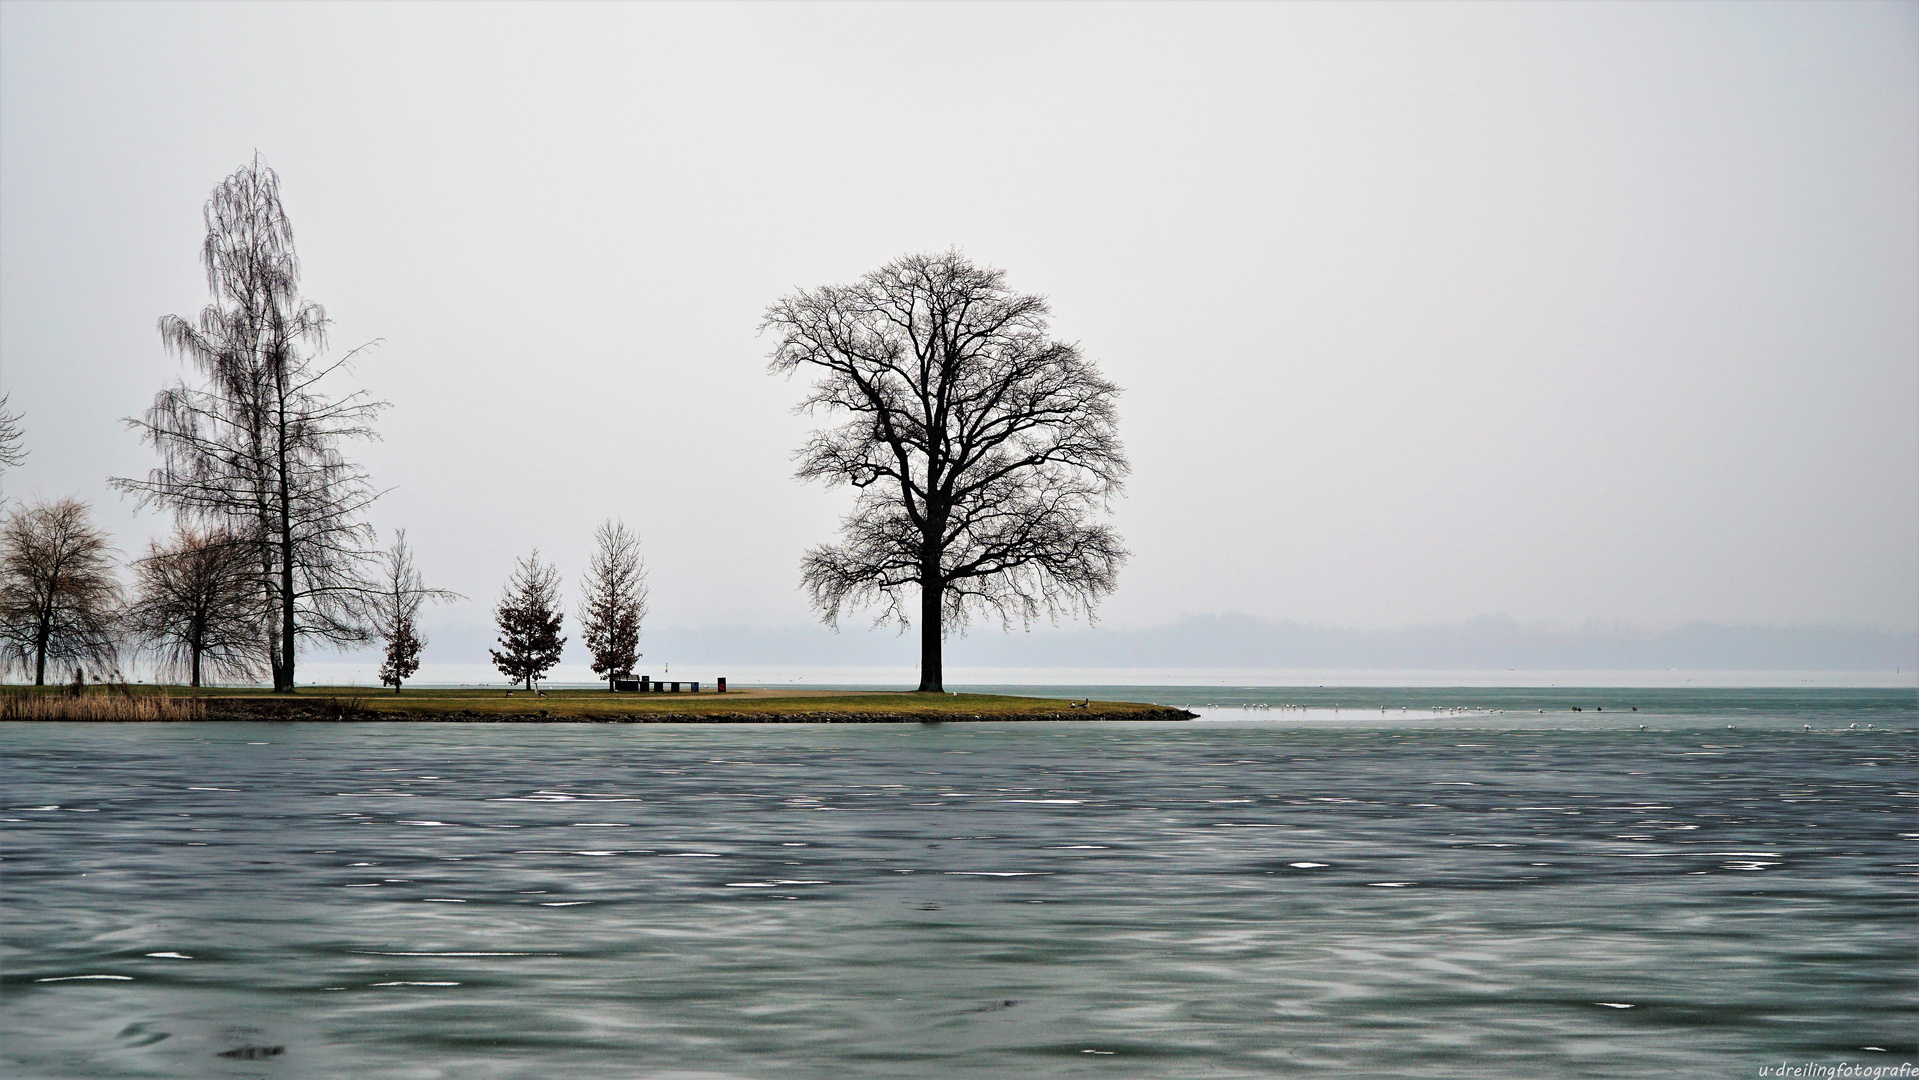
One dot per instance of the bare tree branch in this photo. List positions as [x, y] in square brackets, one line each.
[13, 451]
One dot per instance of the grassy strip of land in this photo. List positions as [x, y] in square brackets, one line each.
[748, 706]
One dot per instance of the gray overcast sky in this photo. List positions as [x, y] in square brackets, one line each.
[1422, 311]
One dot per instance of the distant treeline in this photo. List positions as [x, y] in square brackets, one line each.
[1243, 641]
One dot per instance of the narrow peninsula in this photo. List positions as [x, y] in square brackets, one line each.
[743, 705]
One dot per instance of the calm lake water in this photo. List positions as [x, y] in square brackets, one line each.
[1436, 889]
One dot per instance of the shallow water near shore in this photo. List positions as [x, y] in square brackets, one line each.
[1458, 885]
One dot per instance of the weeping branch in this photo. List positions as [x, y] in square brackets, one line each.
[252, 447]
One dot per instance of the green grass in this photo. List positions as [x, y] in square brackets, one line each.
[595, 704]
[742, 704]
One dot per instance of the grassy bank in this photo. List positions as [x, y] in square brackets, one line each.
[746, 705]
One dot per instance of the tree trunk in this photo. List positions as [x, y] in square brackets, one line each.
[269, 576]
[196, 667]
[286, 595]
[286, 566]
[286, 620]
[932, 667]
[40, 655]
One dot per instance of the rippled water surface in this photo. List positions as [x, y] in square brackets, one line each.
[1259, 893]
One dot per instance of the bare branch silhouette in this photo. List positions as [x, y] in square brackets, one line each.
[13, 451]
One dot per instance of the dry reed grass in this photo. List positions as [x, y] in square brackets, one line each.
[99, 705]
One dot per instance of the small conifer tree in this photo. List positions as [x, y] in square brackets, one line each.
[395, 610]
[529, 617]
[402, 654]
[614, 603]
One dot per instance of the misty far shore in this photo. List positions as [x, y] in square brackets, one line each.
[1239, 641]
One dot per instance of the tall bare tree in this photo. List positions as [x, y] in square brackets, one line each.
[255, 447]
[59, 599]
[396, 609]
[198, 608]
[529, 616]
[613, 604]
[981, 450]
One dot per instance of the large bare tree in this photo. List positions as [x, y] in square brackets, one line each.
[613, 601]
[255, 446]
[396, 610]
[59, 599]
[198, 609]
[982, 450]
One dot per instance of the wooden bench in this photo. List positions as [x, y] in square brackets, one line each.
[646, 684]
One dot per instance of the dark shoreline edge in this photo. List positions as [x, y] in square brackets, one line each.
[733, 718]
[333, 710]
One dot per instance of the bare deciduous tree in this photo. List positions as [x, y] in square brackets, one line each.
[198, 608]
[396, 609]
[59, 600]
[614, 602]
[980, 447]
[529, 616]
[255, 448]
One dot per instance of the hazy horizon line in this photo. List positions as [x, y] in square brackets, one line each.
[1238, 640]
